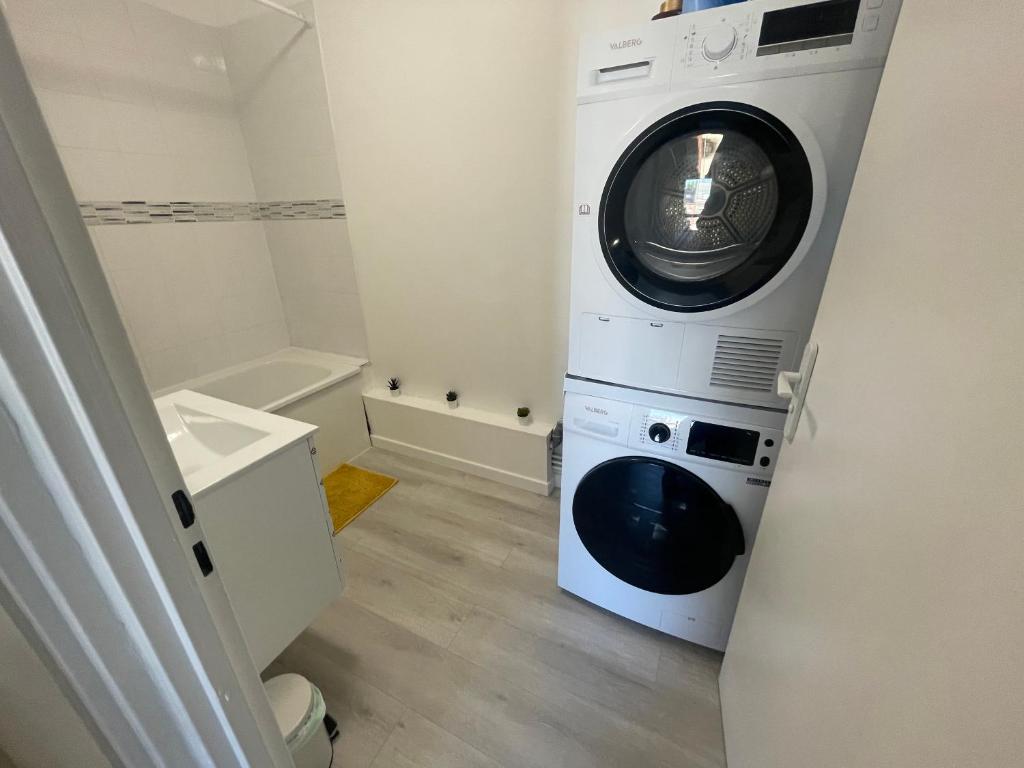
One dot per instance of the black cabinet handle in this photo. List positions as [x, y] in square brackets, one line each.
[186, 514]
[203, 558]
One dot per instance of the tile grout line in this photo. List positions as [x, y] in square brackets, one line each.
[387, 738]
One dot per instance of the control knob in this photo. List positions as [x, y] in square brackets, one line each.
[719, 43]
[660, 433]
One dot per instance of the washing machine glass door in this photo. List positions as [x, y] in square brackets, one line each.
[656, 526]
[705, 207]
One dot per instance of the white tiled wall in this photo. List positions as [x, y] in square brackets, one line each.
[278, 80]
[141, 106]
[316, 277]
[137, 99]
[195, 297]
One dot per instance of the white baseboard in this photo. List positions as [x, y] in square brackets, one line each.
[467, 439]
[542, 487]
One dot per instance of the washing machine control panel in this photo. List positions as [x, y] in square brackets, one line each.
[705, 440]
[685, 438]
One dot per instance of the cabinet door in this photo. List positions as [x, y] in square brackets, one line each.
[268, 536]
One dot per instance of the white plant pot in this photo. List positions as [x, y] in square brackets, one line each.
[453, 404]
[525, 420]
[395, 392]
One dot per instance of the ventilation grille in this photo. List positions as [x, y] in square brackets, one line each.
[556, 454]
[746, 362]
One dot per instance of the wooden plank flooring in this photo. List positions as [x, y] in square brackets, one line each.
[454, 648]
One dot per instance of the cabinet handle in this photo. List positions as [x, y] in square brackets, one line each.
[186, 513]
[203, 558]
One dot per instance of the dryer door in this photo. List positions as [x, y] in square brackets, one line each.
[656, 526]
[705, 207]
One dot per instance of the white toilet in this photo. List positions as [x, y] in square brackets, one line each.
[299, 709]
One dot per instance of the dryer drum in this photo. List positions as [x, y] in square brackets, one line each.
[705, 207]
[700, 205]
[656, 526]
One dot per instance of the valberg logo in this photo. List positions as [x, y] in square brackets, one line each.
[631, 43]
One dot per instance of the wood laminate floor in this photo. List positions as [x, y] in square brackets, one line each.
[452, 646]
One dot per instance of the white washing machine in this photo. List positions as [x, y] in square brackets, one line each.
[715, 153]
[661, 501]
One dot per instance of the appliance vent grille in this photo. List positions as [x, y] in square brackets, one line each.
[556, 454]
[746, 362]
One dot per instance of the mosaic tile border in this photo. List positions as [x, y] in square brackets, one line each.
[98, 213]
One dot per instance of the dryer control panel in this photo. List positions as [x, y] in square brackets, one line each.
[780, 35]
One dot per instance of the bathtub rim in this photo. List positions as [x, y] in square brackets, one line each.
[341, 367]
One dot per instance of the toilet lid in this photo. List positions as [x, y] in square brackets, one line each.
[292, 698]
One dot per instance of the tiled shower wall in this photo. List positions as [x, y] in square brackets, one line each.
[141, 107]
[281, 97]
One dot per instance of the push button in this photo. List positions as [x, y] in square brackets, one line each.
[765, 461]
[871, 22]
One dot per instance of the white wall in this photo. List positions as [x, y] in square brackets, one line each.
[882, 620]
[38, 726]
[454, 126]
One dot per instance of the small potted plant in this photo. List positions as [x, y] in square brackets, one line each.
[523, 413]
[452, 398]
[394, 386]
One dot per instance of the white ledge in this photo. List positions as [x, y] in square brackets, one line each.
[509, 421]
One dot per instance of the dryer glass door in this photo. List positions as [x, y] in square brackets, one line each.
[705, 207]
[656, 526]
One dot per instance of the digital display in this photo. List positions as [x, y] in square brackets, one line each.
[714, 441]
[830, 19]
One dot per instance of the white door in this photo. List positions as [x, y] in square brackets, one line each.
[882, 620]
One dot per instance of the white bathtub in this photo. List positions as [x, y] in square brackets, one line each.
[315, 387]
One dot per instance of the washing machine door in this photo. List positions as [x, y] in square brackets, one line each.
[656, 525]
[705, 207]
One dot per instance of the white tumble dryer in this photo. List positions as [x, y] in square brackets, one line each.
[715, 153]
[661, 501]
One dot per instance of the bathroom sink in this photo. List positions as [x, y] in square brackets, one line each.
[199, 439]
[213, 439]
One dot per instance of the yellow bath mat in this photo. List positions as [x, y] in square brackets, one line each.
[350, 490]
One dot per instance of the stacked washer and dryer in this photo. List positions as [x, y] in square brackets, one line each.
[714, 157]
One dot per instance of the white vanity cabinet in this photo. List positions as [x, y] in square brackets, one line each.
[255, 485]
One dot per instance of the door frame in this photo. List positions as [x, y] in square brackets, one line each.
[95, 568]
